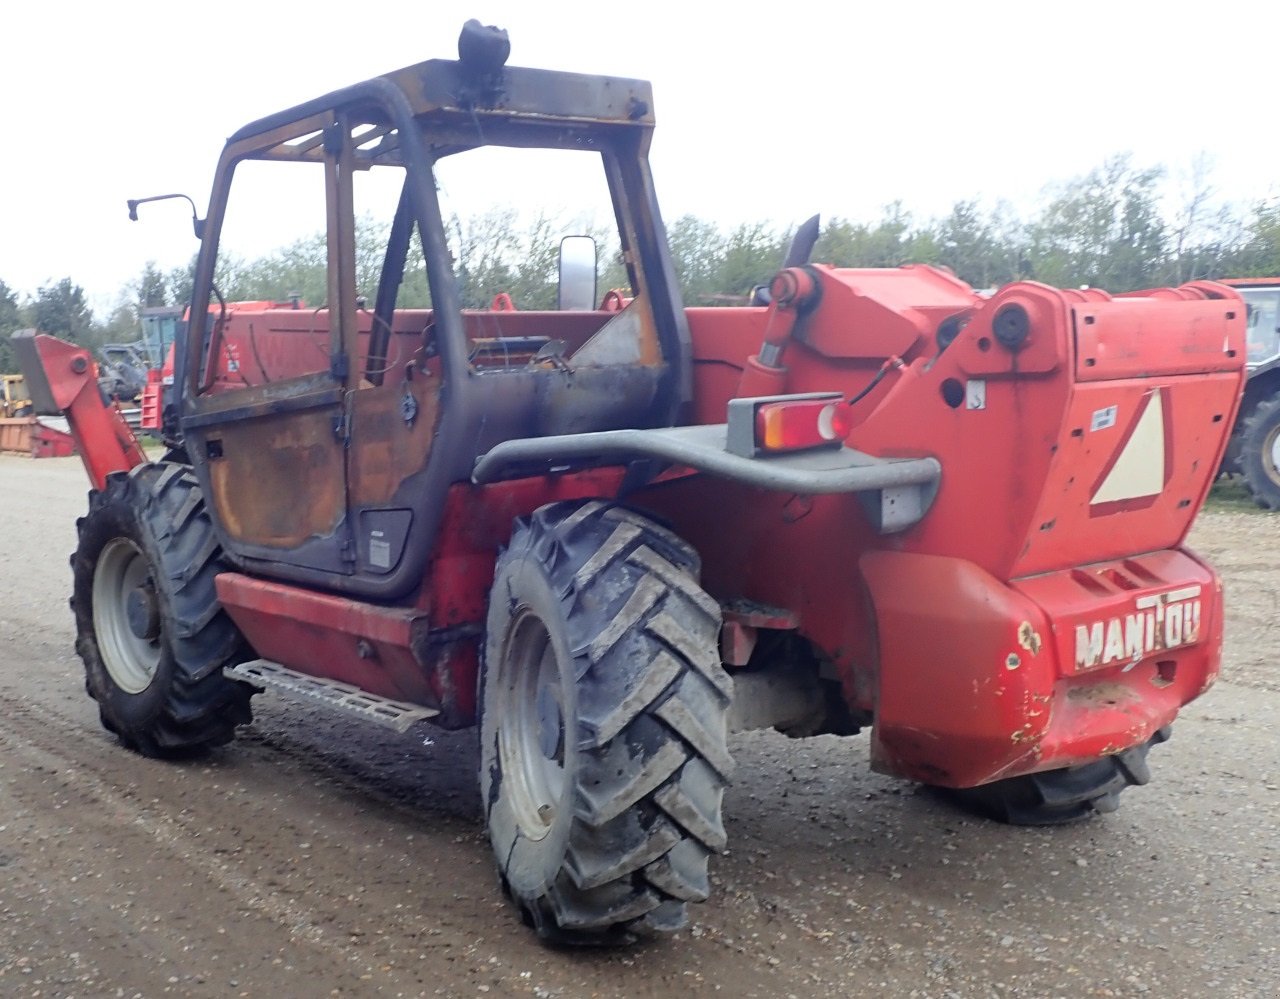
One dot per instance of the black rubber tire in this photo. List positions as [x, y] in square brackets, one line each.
[1259, 435]
[187, 704]
[1056, 797]
[643, 700]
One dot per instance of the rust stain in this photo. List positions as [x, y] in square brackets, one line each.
[391, 447]
[290, 454]
[1104, 694]
[1029, 638]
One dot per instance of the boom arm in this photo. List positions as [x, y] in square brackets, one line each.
[63, 381]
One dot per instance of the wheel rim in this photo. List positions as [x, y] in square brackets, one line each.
[126, 616]
[1271, 455]
[533, 746]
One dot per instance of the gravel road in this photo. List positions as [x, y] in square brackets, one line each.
[316, 858]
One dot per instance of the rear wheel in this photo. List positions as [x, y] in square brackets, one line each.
[1260, 453]
[148, 625]
[603, 725]
[1056, 797]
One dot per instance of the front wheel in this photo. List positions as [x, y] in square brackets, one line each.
[148, 625]
[603, 725]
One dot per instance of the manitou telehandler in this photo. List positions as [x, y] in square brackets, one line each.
[609, 534]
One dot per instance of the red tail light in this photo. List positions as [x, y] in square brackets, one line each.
[774, 424]
[794, 426]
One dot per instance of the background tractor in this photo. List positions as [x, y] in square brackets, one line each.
[612, 532]
[1254, 450]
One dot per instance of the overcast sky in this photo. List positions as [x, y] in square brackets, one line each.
[765, 112]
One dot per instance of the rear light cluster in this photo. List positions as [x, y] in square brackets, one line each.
[779, 424]
[794, 426]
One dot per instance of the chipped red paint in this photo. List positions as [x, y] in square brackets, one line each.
[1012, 648]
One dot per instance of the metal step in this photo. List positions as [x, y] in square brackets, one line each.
[343, 697]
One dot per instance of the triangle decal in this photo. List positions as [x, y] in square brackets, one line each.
[1138, 470]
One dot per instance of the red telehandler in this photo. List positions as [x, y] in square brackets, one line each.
[609, 534]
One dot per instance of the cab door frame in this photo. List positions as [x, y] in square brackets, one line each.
[251, 445]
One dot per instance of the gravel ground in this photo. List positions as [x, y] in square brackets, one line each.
[325, 859]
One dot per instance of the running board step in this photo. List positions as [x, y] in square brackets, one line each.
[344, 697]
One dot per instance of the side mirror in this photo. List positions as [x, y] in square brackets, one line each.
[577, 289]
[197, 223]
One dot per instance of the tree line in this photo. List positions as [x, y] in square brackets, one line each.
[1118, 227]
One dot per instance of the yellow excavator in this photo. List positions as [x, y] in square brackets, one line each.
[21, 431]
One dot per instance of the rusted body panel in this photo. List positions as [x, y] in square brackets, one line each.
[399, 418]
[253, 463]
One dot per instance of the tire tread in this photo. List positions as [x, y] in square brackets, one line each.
[1261, 422]
[160, 504]
[1070, 794]
[651, 732]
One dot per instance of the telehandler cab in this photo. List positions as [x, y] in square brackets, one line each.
[610, 535]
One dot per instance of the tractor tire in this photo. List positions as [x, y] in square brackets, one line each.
[1260, 453]
[1056, 797]
[603, 725]
[148, 625]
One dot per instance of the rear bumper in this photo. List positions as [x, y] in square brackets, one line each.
[981, 680]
